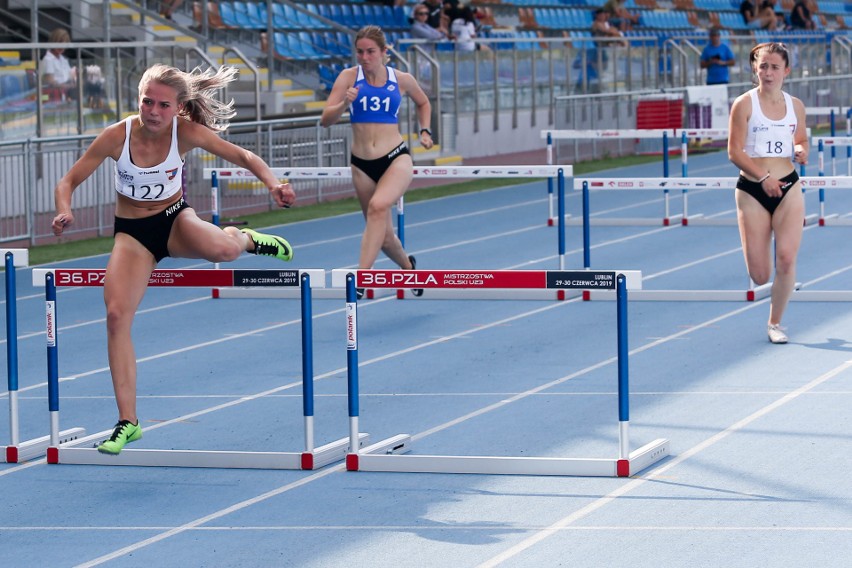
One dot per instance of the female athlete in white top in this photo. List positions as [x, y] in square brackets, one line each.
[767, 132]
[177, 112]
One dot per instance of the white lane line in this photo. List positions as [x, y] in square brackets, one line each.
[659, 471]
[341, 467]
[103, 320]
[420, 528]
[212, 517]
[452, 394]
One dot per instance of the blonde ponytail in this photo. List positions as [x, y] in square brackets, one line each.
[196, 92]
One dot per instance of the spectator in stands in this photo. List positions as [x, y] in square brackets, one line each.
[168, 7]
[619, 16]
[437, 18]
[58, 77]
[389, 2]
[93, 86]
[801, 16]
[601, 27]
[463, 29]
[717, 57]
[758, 17]
[421, 29]
[766, 131]
[382, 167]
[178, 112]
[766, 13]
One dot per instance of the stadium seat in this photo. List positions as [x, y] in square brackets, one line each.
[229, 18]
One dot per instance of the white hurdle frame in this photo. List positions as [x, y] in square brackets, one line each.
[18, 451]
[430, 172]
[831, 141]
[749, 295]
[621, 134]
[684, 134]
[388, 455]
[311, 458]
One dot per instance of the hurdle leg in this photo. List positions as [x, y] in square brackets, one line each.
[397, 444]
[17, 451]
[68, 448]
[385, 455]
[312, 457]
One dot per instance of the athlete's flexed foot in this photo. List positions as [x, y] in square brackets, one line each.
[269, 245]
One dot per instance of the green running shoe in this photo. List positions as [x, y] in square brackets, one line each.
[269, 245]
[124, 433]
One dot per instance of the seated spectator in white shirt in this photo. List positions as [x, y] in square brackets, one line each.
[57, 74]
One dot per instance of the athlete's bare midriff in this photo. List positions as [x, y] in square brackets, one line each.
[373, 140]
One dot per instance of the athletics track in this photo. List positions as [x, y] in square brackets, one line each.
[759, 434]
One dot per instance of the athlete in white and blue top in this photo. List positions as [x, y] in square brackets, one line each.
[766, 135]
[382, 167]
[177, 113]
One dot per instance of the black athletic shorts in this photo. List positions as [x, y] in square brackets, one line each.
[153, 232]
[769, 203]
[375, 169]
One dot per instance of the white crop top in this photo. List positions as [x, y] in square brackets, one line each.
[768, 138]
[149, 184]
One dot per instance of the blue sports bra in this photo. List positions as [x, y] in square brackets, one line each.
[376, 104]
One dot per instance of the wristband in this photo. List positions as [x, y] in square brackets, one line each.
[426, 130]
[763, 179]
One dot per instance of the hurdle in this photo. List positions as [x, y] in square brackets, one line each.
[662, 134]
[833, 113]
[595, 184]
[18, 451]
[311, 458]
[390, 455]
[752, 293]
[429, 172]
[833, 142]
[455, 284]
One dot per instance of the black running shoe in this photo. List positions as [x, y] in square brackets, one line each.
[416, 291]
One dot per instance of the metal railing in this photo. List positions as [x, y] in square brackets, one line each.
[30, 168]
[622, 111]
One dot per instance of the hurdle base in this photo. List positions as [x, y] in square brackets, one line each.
[37, 447]
[682, 295]
[295, 293]
[319, 457]
[700, 220]
[395, 445]
[835, 220]
[278, 293]
[623, 221]
[637, 461]
[491, 294]
[821, 296]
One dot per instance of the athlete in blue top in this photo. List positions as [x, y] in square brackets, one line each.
[766, 133]
[716, 58]
[382, 167]
[177, 112]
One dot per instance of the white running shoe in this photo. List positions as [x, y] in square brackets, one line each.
[776, 334]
